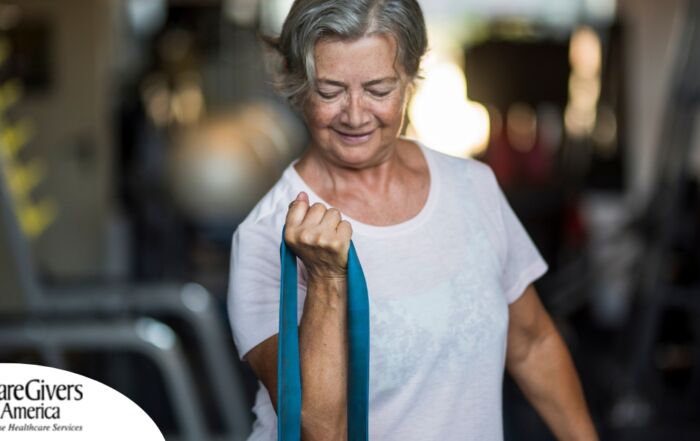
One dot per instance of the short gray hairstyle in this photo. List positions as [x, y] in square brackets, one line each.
[309, 21]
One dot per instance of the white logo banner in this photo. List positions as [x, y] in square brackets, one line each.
[42, 403]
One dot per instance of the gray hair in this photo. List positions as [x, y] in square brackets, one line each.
[310, 20]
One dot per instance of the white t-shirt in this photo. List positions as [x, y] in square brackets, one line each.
[439, 287]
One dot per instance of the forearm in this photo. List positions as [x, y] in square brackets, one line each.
[323, 356]
[548, 379]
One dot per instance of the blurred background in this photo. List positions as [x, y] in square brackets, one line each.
[136, 134]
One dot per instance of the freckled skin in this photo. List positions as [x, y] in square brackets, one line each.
[348, 99]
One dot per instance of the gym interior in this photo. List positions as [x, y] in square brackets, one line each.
[135, 135]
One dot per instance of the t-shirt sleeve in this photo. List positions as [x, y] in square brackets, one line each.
[521, 261]
[254, 285]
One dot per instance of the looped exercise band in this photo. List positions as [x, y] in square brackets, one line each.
[288, 367]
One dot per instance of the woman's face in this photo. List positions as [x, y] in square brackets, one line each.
[355, 111]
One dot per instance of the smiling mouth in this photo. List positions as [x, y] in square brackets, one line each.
[354, 138]
[355, 135]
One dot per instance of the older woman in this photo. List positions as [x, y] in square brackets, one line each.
[448, 266]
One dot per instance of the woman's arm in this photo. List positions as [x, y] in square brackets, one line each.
[319, 238]
[540, 363]
[322, 348]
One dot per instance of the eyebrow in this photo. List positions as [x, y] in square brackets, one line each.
[365, 84]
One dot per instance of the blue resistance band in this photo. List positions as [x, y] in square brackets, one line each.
[288, 367]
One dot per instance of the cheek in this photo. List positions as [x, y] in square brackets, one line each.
[391, 112]
[320, 115]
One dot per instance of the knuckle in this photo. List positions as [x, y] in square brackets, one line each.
[293, 238]
[306, 237]
[347, 225]
[323, 242]
[288, 235]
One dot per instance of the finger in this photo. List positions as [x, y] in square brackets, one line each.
[301, 197]
[314, 214]
[331, 218]
[344, 230]
[297, 211]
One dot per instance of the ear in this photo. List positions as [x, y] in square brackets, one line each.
[410, 90]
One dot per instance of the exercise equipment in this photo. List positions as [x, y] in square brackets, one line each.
[662, 225]
[288, 363]
[219, 168]
[54, 322]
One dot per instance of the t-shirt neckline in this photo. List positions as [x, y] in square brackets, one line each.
[382, 230]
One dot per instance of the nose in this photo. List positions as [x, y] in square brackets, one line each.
[355, 113]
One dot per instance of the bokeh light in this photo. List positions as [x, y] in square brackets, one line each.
[441, 115]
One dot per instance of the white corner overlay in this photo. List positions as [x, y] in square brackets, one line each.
[43, 403]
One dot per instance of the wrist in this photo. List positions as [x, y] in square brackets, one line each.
[330, 290]
[326, 276]
[330, 281]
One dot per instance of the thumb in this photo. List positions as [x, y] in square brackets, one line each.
[302, 196]
[296, 211]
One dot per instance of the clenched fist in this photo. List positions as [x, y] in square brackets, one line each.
[319, 237]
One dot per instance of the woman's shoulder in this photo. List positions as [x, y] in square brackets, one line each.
[269, 212]
[468, 167]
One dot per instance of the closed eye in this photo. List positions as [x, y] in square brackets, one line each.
[380, 93]
[328, 95]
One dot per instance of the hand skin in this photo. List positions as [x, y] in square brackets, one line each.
[321, 240]
[540, 363]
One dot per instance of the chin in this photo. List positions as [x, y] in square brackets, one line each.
[359, 155]
[352, 152]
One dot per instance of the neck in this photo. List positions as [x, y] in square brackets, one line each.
[332, 179]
